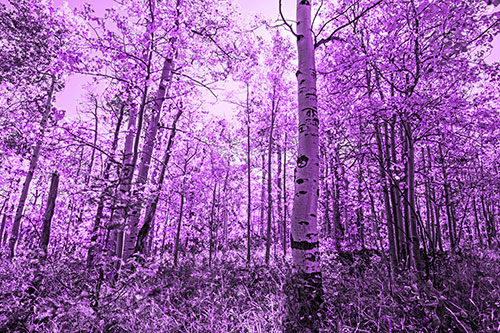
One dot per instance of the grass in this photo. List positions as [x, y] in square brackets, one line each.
[462, 296]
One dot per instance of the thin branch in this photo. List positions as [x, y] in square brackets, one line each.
[317, 12]
[286, 22]
[332, 35]
[198, 82]
[336, 17]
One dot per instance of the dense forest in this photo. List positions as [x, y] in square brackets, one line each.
[337, 171]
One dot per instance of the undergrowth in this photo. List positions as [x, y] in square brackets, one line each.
[463, 295]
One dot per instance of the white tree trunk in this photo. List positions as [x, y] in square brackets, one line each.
[305, 296]
[304, 233]
[147, 152]
[31, 171]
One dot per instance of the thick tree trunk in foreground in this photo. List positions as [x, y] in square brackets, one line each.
[307, 292]
[31, 170]
[49, 212]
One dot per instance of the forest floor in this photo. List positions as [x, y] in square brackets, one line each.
[461, 295]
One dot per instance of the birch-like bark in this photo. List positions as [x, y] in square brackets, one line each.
[116, 242]
[6, 214]
[249, 175]
[225, 214]
[396, 198]
[151, 210]
[263, 198]
[2, 226]
[385, 190]
[279, 194]
[415, 244]
[211, 229]
[304, 227]
[31, 170]
[104, 194]
[269, 184]
[147, 152]
[304, 233]
[49, 212]
[285, 200]
[178, 233]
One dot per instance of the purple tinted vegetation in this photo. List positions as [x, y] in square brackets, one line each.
[201, 186]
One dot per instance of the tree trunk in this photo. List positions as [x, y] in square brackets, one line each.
[177, 235]
[328, 194]
[151, 210]
[94, 143]
[415, 245]
[147, 153]
[263, 198]
[396, 198]
[211, 229]
[279, 194]
[2, 226]
[105, 192]
[49, 212]
[385, 190]
[225, 214]
[406, 207]
[31, 170]
[449, 213]
[338, 228]
[249, 184]
[285, 201]
[476, 217]
[124, 188]
[269, 183]
[307, 293]
[359, 209]
[6, 215]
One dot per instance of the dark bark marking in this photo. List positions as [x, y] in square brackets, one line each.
[312, 257]
[300, 181]
[302, 161]
[304, 245]
[311, 112]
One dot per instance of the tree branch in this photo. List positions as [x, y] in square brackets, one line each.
[332, 35]
[286, 22]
